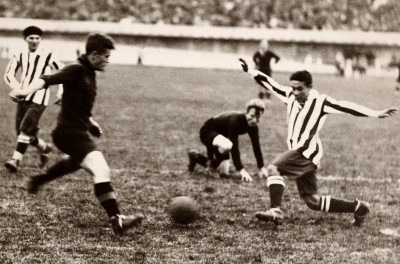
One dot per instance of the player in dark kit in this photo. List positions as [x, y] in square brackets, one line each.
[220, 134]
[307, 110]
[74, 124]
[262, 59]
[30, 63]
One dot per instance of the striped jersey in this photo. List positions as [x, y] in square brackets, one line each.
[30, 65]
[305, 121]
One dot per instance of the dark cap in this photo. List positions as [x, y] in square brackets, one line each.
[32, 30]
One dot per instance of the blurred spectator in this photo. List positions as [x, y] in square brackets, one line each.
[307, 14]
[262, 59]
[340, 63]
[394, 63]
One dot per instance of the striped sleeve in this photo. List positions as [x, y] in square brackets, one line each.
[11, 71]
[280, 91]
[333, 106]
[56, 65]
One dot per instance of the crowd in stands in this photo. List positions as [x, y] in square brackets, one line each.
[366, 15]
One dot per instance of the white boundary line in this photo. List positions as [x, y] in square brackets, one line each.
[320, 177]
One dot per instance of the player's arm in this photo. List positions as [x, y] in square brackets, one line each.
[11, 70]
[276, 57]
[19, 93]
[56, 65]
[255, 141]
[235, 153]
[256, 60]
[332, 106]
[280, 91]
[95, 128]
[43, 82]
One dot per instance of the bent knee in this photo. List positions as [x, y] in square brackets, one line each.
[96, 165]
[223, 144]
[272, 170]
[312, 201]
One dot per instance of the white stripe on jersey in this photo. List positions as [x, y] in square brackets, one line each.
[305, 122]
[32, 65]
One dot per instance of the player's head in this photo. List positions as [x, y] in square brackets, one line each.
[301, 83]
[33, 36]
[254, 109]
[98, 49]
[264, 45]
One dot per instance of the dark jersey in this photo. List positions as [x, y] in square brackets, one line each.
[231, 125]
[79, 80]
[263, 61]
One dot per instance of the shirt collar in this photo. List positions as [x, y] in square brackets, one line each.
[85, 61]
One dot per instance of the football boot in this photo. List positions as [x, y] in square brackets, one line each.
[193, 156]
[274, 215]
[12, 165]
[362, 210]
[121, 223]
[44, 155]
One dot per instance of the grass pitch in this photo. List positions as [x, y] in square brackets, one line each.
[151, 117]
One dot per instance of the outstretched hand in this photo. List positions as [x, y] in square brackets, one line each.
[244, 65]
[388, 112]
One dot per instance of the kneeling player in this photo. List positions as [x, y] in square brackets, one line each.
[220, 134]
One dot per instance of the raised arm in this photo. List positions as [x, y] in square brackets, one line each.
[280, 91]
[333, 106]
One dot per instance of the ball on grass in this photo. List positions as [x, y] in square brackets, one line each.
[183, 210]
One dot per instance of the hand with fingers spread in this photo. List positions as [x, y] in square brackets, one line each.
[388, 112]
[244, 65]
[245, 176]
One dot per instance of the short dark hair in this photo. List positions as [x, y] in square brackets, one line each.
[98, 42]
[257, 104]
[302, 76]
[32, 30]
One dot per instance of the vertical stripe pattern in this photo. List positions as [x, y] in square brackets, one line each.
[305, 121]
[32, 65]
[325, 203]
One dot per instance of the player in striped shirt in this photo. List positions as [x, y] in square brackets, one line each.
[306, 112]
[30, 64]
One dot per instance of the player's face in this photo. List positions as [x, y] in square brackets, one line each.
[300, 90]
[253, 118]
[33, 42]
[100, 60]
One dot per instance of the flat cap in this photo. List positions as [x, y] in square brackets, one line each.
[32, 30]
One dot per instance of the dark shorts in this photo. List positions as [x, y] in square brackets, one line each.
[294, 165]
[76, 143]
[27, 118]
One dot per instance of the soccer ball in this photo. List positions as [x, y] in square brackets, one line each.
[183, 210]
